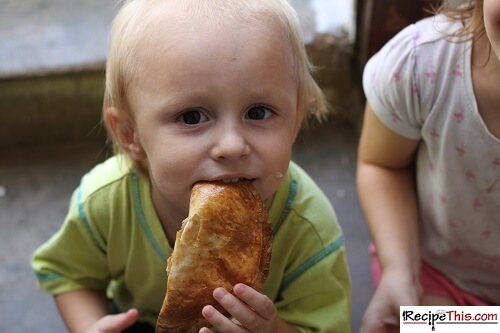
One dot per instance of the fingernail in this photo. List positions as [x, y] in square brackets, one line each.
[219, 293]
[208, 311]
[239, 289]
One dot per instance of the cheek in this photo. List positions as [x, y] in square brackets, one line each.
[278, 147]
[278, 155]
[171, 162]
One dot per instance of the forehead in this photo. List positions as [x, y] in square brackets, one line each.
[180, 35]
[173, 24]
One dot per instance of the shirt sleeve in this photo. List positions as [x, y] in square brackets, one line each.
[73, 258]
[391, 84]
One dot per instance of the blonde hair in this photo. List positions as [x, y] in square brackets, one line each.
[133, 22]
[470, 12]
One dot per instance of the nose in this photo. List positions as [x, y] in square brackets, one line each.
[229, 144]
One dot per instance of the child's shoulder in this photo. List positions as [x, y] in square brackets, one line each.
[302, 214]
[301, 193]
[112, 172]
[297, 174]
[429, 37]
[435, 29]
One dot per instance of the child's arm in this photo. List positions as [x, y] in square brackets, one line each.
[386, 186]
[250, 309]
[87, 311]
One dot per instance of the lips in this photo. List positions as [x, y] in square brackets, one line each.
[232, 180]
[227, 179]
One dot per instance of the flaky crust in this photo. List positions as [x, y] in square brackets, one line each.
[226, 239]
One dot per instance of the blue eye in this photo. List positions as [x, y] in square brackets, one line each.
[258, 113]
[192, 117]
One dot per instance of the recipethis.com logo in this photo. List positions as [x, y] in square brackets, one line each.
[444, 319]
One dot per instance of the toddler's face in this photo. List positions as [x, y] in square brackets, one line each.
[212, 104]
[492, 24]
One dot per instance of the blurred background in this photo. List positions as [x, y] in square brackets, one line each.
[52, 55]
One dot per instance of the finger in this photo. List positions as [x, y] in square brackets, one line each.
[239, 310]
[219, 321]
[236, 321]
[254, 315]
[260, 303]
[118, 322]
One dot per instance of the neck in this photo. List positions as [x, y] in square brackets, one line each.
[170, 217]
[484, 58]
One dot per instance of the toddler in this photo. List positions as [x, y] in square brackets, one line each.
[199, 91]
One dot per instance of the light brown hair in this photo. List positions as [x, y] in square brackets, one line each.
[469, 12]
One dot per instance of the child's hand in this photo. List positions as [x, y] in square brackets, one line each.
[251, 311]
[114, 323]
[395, 289]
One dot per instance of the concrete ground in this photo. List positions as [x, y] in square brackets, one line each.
[36, 184]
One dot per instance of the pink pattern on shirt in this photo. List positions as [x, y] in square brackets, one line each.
[435, 133]
[459, 116]
[470, 176]
[496, 162]
[452, 223]
[442, 197]
[486, 233]
[431, 75]
[477, 204]
[460, 150]
[457, 72]
[396, 76]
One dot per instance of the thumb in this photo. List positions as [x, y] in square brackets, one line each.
[118, 322]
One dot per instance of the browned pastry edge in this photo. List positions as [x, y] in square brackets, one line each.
[222, 204]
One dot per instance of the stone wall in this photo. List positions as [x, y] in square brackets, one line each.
[51, 108]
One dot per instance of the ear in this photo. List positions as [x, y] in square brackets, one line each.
[124, 133]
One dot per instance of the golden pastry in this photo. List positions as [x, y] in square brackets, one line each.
[225, 240]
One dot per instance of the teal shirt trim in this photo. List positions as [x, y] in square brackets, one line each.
[310, 262]
[292, 193]
[134, 186]
[47, 277]
[83, 217]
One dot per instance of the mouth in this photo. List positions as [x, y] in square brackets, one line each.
[235, 180]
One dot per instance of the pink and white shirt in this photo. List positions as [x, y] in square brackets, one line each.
[420, 85]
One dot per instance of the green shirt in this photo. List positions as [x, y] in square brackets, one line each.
[112, 239]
